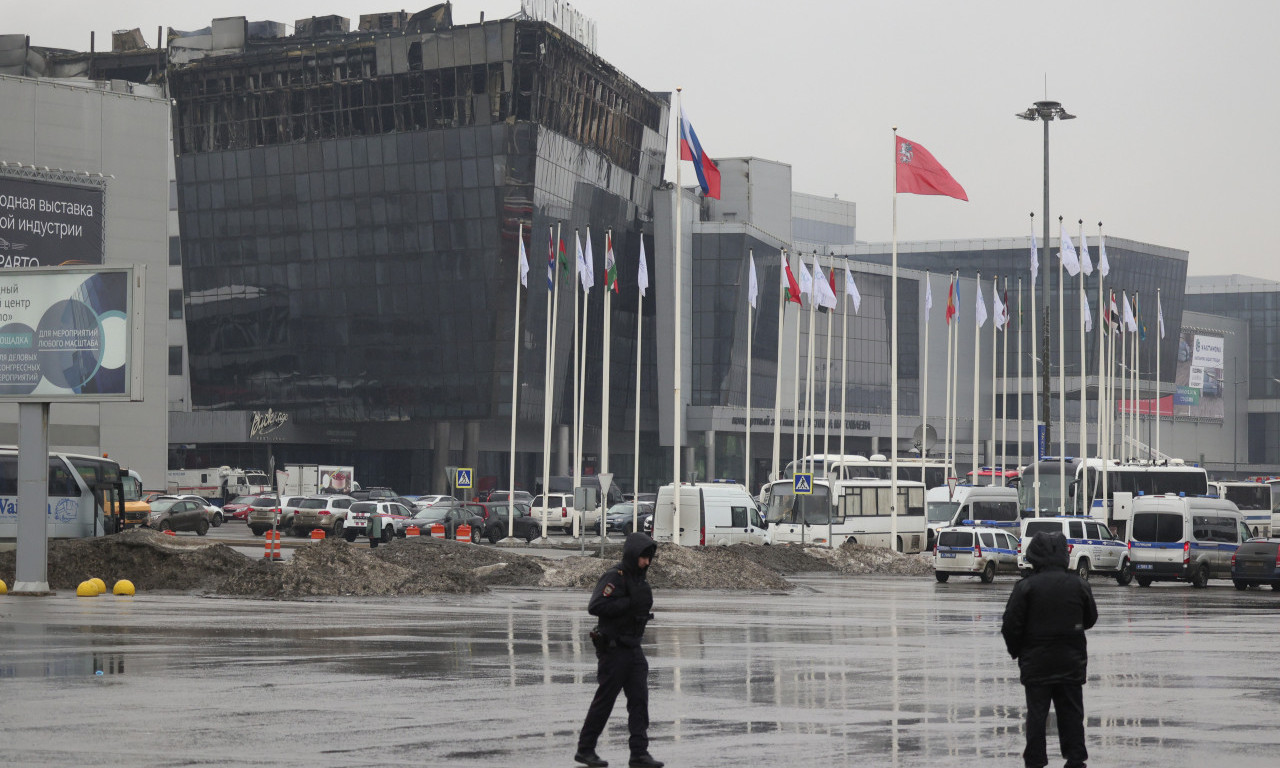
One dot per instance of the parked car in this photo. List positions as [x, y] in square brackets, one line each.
[237, 508]
[974, 550]
[1091, 547]
[264, 511]
[496, 526]
[1184, 538]
[451, 517]
[324, 512]
[558, 511]
[503, 496]
[1255, 563]
[374, 494]
[180, 515]
[422, 502]
[391, 518]
[619, 517]
[213, 513]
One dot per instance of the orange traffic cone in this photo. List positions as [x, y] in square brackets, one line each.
[462, 533]
[317, 533]
[437, 530]
[413, 530]
[273, 545]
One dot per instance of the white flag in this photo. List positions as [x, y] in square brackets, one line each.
[1160, 314]
[980, 306]
[822, 289]
[752, 288]
[642, 277]
[1088, 313]
[586, 263]
[1067, 252]
[524, 261]
[997, 309]
[1035, 253]
[806, 280]
[1130, 321]
[1104, 266]
[1085, 262]
[851, 288]
[928, 297]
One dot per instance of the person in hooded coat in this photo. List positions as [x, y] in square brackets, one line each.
[622, 602]
[1044, 625]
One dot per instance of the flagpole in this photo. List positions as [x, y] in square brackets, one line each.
[1159, 338]
[1103, 333]
[809, 425]
[826, 382]
[1036, 453]
[995, 326]
[515, 389]
[844, 358]
[677, 277]
[947, 378]
[1019, 430]
[642, 280]
[977, 364]
[924, 380]
[893, 365]
[1062, 382]
[577, 375]
[1084, 384]
[797, 422]
[549, 387]
[1137, 373]
[777, 387]
[1004, 385]
[955, 379]
[606, 342]
[746, 471]
[1124, 385]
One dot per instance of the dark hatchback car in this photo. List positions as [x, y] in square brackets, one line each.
[622, 515]
[452, 517]
[182, 515]
[496, 526]
[1256, 562]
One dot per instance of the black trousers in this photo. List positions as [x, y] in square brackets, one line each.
[620, 669]
[1068, 704]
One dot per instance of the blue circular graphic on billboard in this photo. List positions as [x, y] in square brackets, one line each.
[69, 343]
[19, 364]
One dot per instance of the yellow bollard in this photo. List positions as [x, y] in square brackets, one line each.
[87, 589]
[123, 587]
[100, 584]
[4, 588]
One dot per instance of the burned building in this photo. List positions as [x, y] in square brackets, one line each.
[350, 204]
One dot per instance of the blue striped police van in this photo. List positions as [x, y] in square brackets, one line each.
[974, 550]
[1184, 538]
[1091, 546]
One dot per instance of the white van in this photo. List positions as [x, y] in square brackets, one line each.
[940, 505]
[989, 505]
[1091, 546]
[974, 550]
[711, 514]
[1181, 538]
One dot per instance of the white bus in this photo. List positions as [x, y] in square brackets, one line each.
[1124, 483]
[841, 510]
[1252, 499]
[878, 467]
[86, 495]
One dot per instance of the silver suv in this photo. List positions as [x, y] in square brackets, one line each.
[324, 512]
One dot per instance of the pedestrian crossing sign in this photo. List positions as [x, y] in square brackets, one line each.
[804, 483]
[463, 479]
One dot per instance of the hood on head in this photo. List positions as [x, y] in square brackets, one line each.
[636, 546]
[1048, 550]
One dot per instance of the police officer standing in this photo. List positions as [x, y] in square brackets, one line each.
[621, 602]
[1044, 625]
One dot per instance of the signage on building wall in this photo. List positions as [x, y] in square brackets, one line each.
[49, 224]
[1207, 352]
[1200, 376]
[266, 422]
[565, 17]
[67, 335]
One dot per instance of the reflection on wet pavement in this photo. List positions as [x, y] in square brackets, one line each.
[866, 671]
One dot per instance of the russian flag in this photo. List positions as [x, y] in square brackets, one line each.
[690, 149]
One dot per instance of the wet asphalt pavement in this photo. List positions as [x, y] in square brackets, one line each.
[863, 671]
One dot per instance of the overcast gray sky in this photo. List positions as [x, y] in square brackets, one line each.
[1175, 141]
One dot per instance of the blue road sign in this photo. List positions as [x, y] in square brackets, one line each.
[464, 478]
[804, 483]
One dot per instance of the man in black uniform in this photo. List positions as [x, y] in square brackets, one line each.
[622, 602]
[1044, 625]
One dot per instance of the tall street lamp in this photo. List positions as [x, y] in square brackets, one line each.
[1045, 111]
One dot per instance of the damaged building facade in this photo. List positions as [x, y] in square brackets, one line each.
[350, 204]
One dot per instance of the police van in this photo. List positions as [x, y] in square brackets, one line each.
[1184, 538]
[988, 505]
[1091, 546]
[974, 550]
[711, 514]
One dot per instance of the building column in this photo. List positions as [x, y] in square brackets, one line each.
[709, 438]
[471, 453]
[440, 480]
[688, 464]
[563, 459]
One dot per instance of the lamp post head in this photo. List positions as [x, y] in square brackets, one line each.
[1046, 110]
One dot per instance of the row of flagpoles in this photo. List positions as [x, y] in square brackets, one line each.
[916, 172]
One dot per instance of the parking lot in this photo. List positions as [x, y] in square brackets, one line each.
[842, 671]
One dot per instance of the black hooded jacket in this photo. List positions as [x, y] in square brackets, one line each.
[1047, 615]
[622, 599]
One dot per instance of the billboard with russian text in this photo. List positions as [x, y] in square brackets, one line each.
[1199, 377]
[48, 223]
[68, 334]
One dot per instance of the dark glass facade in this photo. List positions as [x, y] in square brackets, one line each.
[350, 214]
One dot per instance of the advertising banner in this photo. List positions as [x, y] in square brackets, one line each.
[67, 335]
[48, 224]
[1199, 376]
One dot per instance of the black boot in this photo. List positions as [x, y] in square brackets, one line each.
[644, 760]
[589, 758]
